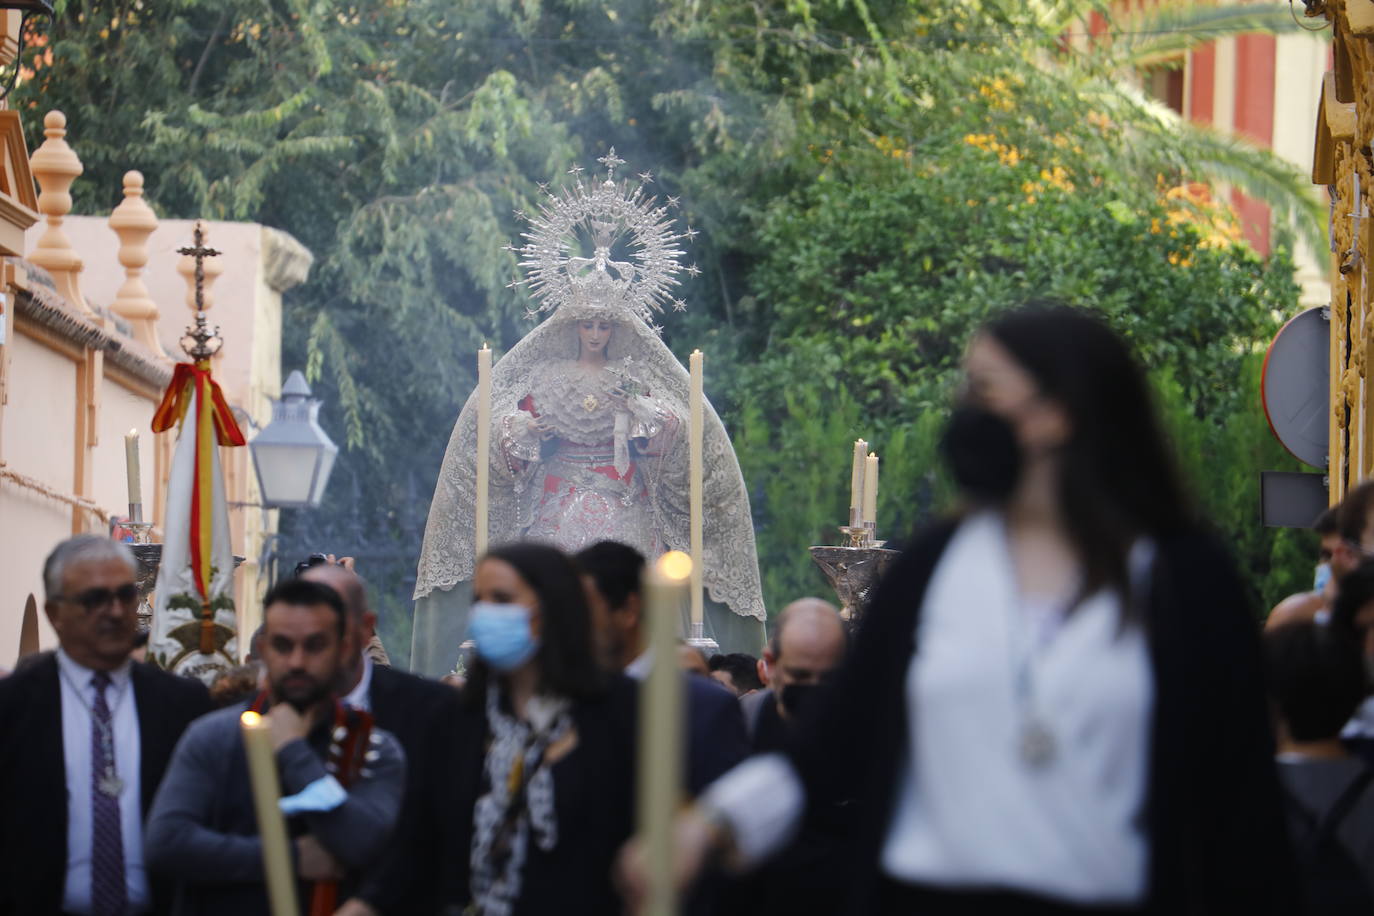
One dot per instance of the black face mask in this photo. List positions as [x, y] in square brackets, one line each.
[982, 454]
[796, 697]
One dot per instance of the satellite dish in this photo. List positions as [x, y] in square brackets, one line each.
[1296, 386]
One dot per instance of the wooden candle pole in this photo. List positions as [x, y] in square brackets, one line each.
[660, 729]
[696, 431]
[483, 447]
[276, 851]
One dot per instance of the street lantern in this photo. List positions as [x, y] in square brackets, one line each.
[293, 456]
[27, 9]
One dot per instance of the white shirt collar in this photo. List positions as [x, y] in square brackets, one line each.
[81, 676]
[360, 696]
[639, 668]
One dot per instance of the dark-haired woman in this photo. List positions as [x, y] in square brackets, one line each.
[1054, 704]
[546, 780]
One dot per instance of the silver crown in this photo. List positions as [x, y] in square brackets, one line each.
[600, 216]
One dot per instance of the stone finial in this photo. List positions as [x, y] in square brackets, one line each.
[285, 261]
[56, 165]
[133, 221]
[187, 268]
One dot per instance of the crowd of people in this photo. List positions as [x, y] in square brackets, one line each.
[1057, 701]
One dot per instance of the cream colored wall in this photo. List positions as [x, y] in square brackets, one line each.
[40, 418]
[120, 411]
[30, 526]
[40, 442]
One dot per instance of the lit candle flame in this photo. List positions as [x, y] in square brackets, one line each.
[675, 565]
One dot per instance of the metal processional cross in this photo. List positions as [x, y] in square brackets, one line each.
[198, 342]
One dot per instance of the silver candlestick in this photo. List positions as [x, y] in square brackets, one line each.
[699, 640]
[149, 557]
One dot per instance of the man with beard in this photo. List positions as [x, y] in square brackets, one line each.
[341, 805]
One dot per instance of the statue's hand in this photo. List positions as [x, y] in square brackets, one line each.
[542, 429]
[619, 397]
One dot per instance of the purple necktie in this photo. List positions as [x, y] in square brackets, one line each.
[109, 895]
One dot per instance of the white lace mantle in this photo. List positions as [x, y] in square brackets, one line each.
[538, 366]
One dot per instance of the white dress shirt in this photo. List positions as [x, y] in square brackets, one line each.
[360, 697]
[78, 695]
[639, 668]
[1361, 725]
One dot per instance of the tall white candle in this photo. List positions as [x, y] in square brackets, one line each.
[856, 484]
[132, 468]
[696, 408]
[483, 446]
[276, 850]
[871, 489]
[661, 714]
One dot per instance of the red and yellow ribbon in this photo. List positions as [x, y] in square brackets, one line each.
[192, 383]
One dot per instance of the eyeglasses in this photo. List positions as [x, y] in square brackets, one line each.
[93, 599]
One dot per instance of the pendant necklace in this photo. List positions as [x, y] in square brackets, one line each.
[1036, 744]
[110, 784]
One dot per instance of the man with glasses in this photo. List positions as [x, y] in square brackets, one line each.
[85, 736]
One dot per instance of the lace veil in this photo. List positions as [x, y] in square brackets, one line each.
[731, 572]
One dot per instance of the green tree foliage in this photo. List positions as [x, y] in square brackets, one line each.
[871, 178]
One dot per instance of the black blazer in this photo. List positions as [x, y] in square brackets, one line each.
[716, 739]
[424, 717]
[594, 786]
[33, 818]
[1213, 810]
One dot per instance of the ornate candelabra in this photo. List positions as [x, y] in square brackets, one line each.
[854, 568]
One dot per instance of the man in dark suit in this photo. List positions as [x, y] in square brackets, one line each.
[808, 645]
[715, 728]
[85, 736]
[424, 717]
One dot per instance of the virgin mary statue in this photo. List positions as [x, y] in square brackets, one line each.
[589, 428]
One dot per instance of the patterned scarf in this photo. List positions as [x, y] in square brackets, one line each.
[518, 801]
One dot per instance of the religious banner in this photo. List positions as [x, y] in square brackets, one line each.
[194, 623]
[193, 630]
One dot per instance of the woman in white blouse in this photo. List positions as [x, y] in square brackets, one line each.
[1054, 703]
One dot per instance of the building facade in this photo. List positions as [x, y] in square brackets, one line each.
[1341, 163]
[92, 310]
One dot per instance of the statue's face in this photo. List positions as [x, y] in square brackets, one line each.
[594, 335]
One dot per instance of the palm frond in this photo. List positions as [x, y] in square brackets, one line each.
[1162, 140]
[1169, 30]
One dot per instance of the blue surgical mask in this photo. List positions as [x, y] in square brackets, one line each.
[502, 634]
[1322, 578]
